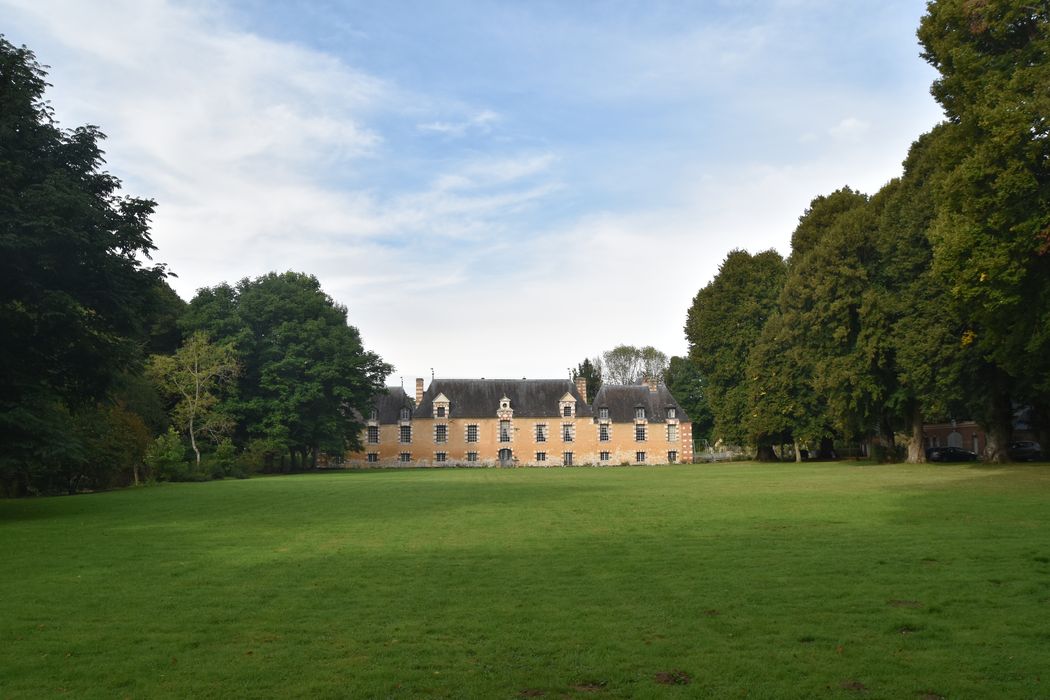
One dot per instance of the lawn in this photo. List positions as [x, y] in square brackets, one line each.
[768, 581]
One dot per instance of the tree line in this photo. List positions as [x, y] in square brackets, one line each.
[108, 377]
[928, 299]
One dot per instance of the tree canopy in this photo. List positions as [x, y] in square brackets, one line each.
[77, 300]
[305, 378]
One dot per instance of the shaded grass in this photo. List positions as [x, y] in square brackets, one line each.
[728, 580]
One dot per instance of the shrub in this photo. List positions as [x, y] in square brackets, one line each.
[166, 458]
[223, 461]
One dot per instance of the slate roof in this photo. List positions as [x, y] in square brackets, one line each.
[621, 400]
[479, 398]
[388, 405]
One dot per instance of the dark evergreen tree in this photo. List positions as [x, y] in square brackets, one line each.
[592, 373]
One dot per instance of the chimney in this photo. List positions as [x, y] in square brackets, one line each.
[651, 381]
[581, 386]
[419, 390]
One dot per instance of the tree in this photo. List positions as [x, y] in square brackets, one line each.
[194, 375]
[622, 364]
[627, 364]
[653, 363]
[305, 377]
[74, 290]
[591, 371]
[689, 388]
[991, 233]
[723, 324]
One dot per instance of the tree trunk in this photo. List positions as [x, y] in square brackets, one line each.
[827, 448]
[193, 442]
[916, 451]
[766, 454]
[887, 440]
[798, 450]
[999, 427]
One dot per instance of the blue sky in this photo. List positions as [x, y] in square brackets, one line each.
[492, 189]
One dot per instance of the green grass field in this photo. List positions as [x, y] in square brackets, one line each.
[768, 581]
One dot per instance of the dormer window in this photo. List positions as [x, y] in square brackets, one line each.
[639, 413]
[671, 412]
[372, 415]
[406, 414]
[504, 404]
[567, 406]
[441, 406]
[603, 413]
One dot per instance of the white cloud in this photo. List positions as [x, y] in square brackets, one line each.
[269, 155]
[479, 122]
[243, 141]
[850, 129]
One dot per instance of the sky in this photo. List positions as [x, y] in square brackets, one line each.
[492, 189]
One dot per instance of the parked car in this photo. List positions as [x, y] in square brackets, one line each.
[1025, 451]
[950, 454]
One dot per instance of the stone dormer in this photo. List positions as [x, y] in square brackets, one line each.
[567, 406]
[441, 407]
[505, 410]
[671, 413]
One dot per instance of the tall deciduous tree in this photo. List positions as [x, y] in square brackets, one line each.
[305, 376]
[723, 324]
[74, 292]
[193, 376]
[627, 364]
[991, 235]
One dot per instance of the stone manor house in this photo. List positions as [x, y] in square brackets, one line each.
[524, 422]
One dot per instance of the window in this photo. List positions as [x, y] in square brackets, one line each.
[672, 412]
[672, 456]
[372, 415]
[406, 434]
[373, 435]
[672, 432]
[440, 433]
[406, 414]
[603, 456]
[472, 456]
[639, 433]
[603, 413]
[405, 457]
[639, 413]
[504, 431]
[541, 456]
[603, 433]
[567, 431]
[541, 432]
[440, 411]
[472, 432]
[566, 458]
[566, 410]
[440, 456]
[639, 456]
[373, 456]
